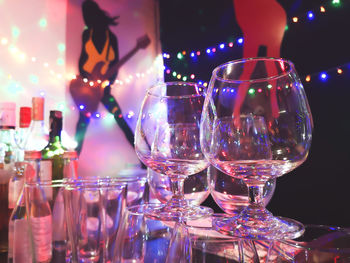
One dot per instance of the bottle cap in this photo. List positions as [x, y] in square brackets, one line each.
[70, 155]
[32, 155]
[56, 114]
[38, 108]
[8, 115]
[25, 117]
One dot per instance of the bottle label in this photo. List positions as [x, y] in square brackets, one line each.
[21, 244]
[15, 188]
[46, 175]
[42, 237]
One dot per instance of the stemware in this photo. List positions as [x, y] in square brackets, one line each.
[196, 188]
[167, 141]
[231, 194]
[256, 125]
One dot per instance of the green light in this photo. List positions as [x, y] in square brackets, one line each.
[251, 91]
[286, 28]
[34, 79]
[60, 61]
[287, 87]
[109, 121]
[61, 106]
[61, 47]
[269, 86]
[336, 2]
[15, 32]
[184, 78]
[174, 74]
[43, 22]
[179, 56]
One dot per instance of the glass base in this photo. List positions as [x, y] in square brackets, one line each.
[258, 223]
[177, 213]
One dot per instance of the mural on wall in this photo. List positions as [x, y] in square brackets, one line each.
[58, 45]
[263, 25]
[119, 58]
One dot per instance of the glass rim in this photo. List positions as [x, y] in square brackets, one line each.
[177, 83]
[257, 59]
[46, 183]
[101, 182]
[306, 246]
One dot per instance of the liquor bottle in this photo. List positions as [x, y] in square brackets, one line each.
[7, 165]
[38, 135]
[70, 162]
[38, 209]
[19, 249]
[52, 154]
[25, 118]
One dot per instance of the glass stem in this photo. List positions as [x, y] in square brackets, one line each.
[177, 188]
[256, 193]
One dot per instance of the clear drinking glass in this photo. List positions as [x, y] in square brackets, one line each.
[231, 194]
[319, 243]
[94, 208]
[167, 141]
[256, 125]
[196, 188]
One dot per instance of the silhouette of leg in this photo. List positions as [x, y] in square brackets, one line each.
[113, 107]
[80, 131]
[250, 50]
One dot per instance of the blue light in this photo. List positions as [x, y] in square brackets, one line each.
[310, 15]
[240, 40]
[222, 46]
[208, 50]
[200, 82]
[164, 55]
[192, 54]
[98, 115]
[81, 106]
[232, 90]
[323, 76]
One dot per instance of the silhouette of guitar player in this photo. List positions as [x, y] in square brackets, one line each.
[98, 67]
[263, 24]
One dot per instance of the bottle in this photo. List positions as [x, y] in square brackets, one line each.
[52, 154]
[70, 162]
[7, 165]
[38, 136]
[38, 209]
[19, 249]
[25, 118]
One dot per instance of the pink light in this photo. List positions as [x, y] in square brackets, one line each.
[168, 71]
[230, 44]
[198, 53]
[213, 49]
[192, 76]
[260, 90]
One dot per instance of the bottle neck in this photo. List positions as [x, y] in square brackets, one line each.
[55, 130]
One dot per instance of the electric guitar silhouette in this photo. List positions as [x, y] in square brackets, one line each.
[89, 93]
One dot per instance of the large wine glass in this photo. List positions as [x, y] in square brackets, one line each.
[167, 141]
[256, 125]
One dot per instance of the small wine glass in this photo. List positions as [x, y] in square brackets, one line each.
[196, 188]
[231, 194]
[167, 141]
[256, 125]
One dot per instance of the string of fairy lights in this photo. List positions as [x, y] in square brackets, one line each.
[238, 42]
